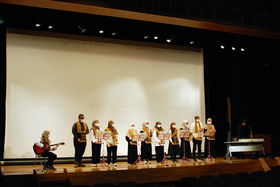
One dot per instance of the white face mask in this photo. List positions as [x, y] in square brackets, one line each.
[198, 120]
[97, 124]
[48, 135]
[82, 120]
[174, 126]
[113, 124]
[209, 122]
[158, 126]
[132, 127]
[147, 125]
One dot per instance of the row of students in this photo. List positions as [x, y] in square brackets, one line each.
[146, 146]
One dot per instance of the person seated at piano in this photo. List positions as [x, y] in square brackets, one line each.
[159, 144]
[42, 143]
[243, 132]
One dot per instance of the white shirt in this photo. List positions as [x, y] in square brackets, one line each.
[92, 136]
[39, 144]
[157, 141]
[193, 129]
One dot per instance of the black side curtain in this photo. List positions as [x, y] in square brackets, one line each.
[2, 88]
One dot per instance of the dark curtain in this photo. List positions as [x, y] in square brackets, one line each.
[3, 88]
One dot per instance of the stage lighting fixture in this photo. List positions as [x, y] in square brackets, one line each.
[233, 48]
[242, 49]
[170, 38]
[38, 21]
[146, 36]
[81, 27]
[101, 31]
[114, 31]
[223, 46]
[155, 37]
[1, 20]
[51, 24]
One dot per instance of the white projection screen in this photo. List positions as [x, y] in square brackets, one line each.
[52, 78]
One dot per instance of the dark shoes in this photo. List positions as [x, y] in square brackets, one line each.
[79, 164]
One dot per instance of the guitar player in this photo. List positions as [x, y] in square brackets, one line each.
[42, 143]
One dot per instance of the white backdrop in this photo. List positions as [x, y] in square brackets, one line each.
[51, 80]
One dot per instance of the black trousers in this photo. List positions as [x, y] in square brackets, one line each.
[95, 153]
[159, 153]
[198, 144]
[112, 152]
[79, 150]
[51, 157]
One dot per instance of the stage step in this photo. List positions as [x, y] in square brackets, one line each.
[52, 179]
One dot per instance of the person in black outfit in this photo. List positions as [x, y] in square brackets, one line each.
[132, 155]
[185, 143]
[79, 130]
[243, 132]
[42, 143]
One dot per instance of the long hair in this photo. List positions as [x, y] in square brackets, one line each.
[111, 127]
[94, 126]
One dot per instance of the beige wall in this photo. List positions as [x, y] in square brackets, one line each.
[50, 80]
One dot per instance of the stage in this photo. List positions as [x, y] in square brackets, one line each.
[142, 174]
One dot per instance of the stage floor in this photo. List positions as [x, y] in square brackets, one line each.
[157, 173]
[28, 169]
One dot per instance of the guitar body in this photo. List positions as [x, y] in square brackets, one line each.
[38, 150]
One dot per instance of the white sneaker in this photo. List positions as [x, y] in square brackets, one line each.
[115, 164]
[93, 165]
[145, 162]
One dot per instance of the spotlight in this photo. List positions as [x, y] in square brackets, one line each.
[191, 40]
[38, 21]
[114, 31]
[1, 20]
[170, 38]
[81, 27]
[156, 37]
[101, 31]
[51, 24]
[233, 48]
[242, 49]
[223, 46]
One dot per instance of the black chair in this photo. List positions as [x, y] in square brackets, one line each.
[269, 184]
[250, 184]
[214, 183]
[223, 178]
[127, 184]
[271, 175]
[204, 179]
[234, 182]
[253, 179]
[242, 176]
[257, 174]
[191, 180]
[103, 185]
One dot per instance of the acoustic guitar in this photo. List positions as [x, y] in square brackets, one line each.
[38, 150]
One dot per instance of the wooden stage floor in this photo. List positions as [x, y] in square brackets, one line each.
[142, 174]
